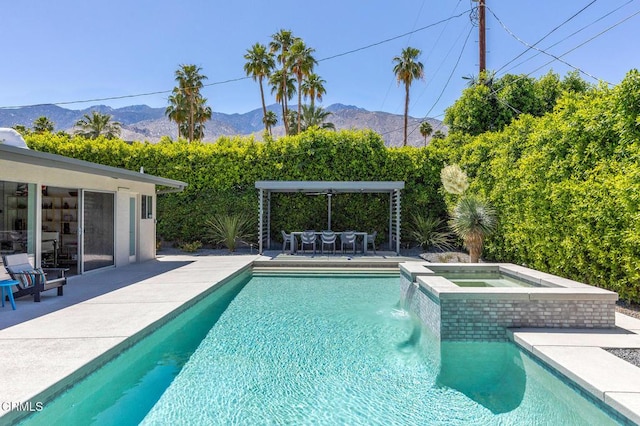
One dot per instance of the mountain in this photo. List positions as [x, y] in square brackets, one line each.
[144, 123]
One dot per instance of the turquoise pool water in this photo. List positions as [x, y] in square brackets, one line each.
[315, 350]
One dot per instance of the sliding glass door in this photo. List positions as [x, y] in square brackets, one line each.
[98, 230]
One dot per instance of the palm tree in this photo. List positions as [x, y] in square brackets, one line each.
[281, 92]
[43, 125]
[406, 70]
[187, 102]
[315, 116]
[486, 78]
[313, 88]
[292, 120]
[270, 120]
[259, 65]
[425, 130]
[97, 124]
[281, 42]
[202, 114]
[473, 220]
[301, 62]
[438, 134]
[177, 111]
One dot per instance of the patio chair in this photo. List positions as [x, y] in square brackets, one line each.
[287, 238]
[33, 280]
[308, 238]
[328, 238]
[348, 237]
[371, 240]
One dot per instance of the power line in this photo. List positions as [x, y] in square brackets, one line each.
[540, 50]
[588, 41]
[547, 35]
[570, 35]
[160, 92]
[443, 89]
[415, 22]
[442, 62]
[495, 92]
[448, 80]
[394, 38]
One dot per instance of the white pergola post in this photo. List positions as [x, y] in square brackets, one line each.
[397, 197]
[260, 219]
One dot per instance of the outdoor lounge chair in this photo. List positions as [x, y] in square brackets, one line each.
[308, 238]
[32, 280]
[348, 237]
[287, 238]
[371, 239]
[328, 238]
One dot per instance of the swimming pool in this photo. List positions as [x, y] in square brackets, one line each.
[303, 349]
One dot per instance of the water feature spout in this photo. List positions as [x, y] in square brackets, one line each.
[407, 297]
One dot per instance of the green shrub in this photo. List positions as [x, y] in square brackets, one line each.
[565, 187]
[428, 232]
[191, 247]
[230, 230]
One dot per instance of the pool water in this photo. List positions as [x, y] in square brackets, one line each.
[315, 350]
[484, 279]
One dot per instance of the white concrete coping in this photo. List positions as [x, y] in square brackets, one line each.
[414, 269]
[549, 287]
[579, 355]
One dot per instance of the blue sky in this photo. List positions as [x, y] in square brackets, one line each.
[64, 50]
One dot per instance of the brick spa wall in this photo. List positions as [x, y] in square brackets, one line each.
[487, 320]
[475, 317]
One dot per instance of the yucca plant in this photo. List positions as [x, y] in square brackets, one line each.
[473, 220]
[229, 230]
[428, 232]
[454, 180]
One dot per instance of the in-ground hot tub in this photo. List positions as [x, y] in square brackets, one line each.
[467, 302]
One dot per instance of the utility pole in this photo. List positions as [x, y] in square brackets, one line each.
[482, 40]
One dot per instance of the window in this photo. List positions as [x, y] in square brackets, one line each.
[147, 207]
[17, 217]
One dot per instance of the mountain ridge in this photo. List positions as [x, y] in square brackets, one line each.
[145, 123]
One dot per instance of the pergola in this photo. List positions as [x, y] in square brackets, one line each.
[267, 187]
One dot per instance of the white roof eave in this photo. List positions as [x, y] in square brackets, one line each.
[45, 159]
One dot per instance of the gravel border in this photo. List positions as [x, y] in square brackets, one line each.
[630, 355]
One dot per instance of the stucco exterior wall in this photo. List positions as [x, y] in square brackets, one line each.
[122, 188]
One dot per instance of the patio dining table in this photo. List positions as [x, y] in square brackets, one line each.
[296, 234]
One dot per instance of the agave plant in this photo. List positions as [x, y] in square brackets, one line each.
[473, 220]
[229, 230]
[427, 232]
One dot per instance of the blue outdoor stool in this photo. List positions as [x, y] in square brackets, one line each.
[5, 286]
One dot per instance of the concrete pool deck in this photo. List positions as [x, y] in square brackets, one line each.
[43, 343]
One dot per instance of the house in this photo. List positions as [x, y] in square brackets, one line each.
[76, 214]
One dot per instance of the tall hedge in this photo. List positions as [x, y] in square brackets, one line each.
[566, 186]
[221, 177]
